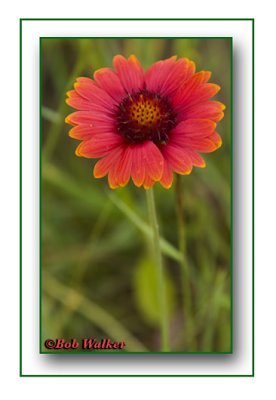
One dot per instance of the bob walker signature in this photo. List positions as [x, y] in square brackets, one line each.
[86, 344]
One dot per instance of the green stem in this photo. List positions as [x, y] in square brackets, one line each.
[164, 321]
[185, 273]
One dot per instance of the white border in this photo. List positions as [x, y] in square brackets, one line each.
[240, 363]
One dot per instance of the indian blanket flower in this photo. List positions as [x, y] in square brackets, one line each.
[145, 125]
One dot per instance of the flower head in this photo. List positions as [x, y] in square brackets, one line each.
[145, 125]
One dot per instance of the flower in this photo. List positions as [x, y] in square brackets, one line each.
[145, 125]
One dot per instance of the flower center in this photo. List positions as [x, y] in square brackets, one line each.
[145, 116]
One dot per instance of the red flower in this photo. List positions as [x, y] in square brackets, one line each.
[145, 125]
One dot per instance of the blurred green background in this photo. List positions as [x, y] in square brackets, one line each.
[97, 270]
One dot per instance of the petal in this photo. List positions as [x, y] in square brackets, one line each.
[216, 139]
[99, 98]
[153, 160]
[130, 72]
[204, 93]
[87, 117]
[204, 145]
[196, 135]
[81, 132]
[103, 166]
[138, 167]
[99, 145]
[167, 177]
[178, 160]
[148, 182]
[77, 101]
[165, 76]
[192, 128]
[147, 163]
[210, 109]
[85, 131]
[123, 169]
[84, 87]
[195, 90]
[113, 178]
[196, 159]
[109, 81]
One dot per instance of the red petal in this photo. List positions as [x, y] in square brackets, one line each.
[99, 145]
[210, 109]
[147, 163]
[100, 100]
[194, 91]
[123, 169]
[165, 76]
[216, 139]
[192, 128]
[87, 117]
[138, 167]
[109, 81]
[103, 166]
[153, 160]
[196, 159]
[167, 177]
[148, 182]
[179, 161]
[113, 178]
[204, 145]
[130, 72]
[75, 100]
[81, 132]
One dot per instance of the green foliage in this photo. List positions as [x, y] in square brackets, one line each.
[146, 291]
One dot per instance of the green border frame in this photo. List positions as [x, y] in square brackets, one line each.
[231, 177]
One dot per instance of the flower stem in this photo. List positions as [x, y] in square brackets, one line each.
[185, 273]
[164, 321]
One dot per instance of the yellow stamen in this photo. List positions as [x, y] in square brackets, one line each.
[145, 112]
